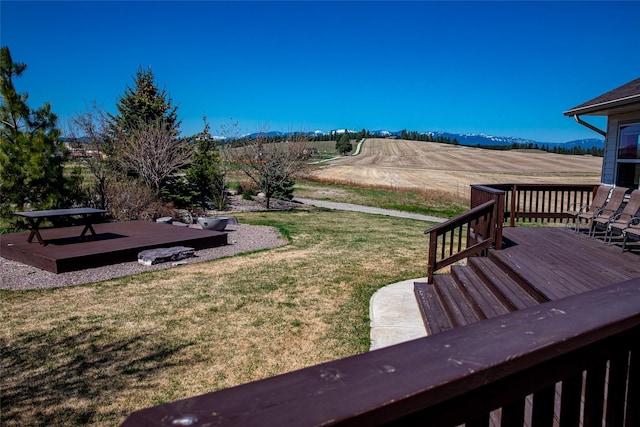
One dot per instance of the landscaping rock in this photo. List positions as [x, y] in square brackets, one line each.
[157, 256]
[216, 224]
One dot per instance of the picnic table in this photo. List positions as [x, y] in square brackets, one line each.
[34, 218]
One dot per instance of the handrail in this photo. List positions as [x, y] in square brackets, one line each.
[468, 234]
[512, 202]
[537, 202]
[551, 351]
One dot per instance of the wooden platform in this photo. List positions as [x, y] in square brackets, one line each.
[114, 243]
[536, 265]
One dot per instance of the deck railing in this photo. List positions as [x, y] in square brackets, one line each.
[570, 362]
[512, 203]
[466, 235]
[536, 202]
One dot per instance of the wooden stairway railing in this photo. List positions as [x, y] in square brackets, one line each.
[584, 348]
[466, 235]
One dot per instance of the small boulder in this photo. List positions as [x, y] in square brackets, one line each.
[156, 256]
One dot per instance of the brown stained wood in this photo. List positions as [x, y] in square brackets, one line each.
[113, 243]
[632, 416]
[594, 396]
[498, 282]
[543, 407]
[566, 263]
[570, 401]
[457, 306]
[616, 389]
[482, 421]
[485, 304]
[539, 264]
[433, 313]
[513, 414]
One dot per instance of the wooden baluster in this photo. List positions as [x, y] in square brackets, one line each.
[513, 414]
[570, 401]
[594, 396]
[617, 389]
[543, 401]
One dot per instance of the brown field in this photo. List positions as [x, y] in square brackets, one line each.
[451, 168]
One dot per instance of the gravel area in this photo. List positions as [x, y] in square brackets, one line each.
[240, 238]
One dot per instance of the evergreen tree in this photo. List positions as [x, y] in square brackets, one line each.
[206, 173]
[144, 103]
[343, 144]
[144, 136]
[31, 151]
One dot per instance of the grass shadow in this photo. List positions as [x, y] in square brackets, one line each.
[64, 379]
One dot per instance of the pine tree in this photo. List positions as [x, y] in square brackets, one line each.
[32, 154]
[144, 103]
[343, 144]
[144, 136]
[206, 172]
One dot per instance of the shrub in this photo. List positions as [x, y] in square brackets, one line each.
[247, 186]
[132, 200]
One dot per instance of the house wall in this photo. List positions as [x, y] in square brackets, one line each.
[611, 144]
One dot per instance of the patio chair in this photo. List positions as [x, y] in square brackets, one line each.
[604, 214]
[599, 200]
[622, 220]
[612, 211]
[632, 230]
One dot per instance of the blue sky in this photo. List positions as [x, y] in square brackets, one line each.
[500, 68]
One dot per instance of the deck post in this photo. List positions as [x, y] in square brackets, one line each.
[512, 213]
[431, 262]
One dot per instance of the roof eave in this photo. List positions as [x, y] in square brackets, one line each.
[605, 108]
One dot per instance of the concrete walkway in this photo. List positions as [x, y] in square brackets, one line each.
[393, 310]
[395, 316]
[367, 209]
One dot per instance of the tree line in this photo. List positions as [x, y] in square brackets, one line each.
[432, 137]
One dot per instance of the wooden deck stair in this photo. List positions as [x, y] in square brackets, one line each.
[520, 276]
[477, 291]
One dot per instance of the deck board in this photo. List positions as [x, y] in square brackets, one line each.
[536, 265]
[558, 262]
[115, 242]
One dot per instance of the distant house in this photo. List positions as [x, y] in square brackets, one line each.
[621, 164]
[310, 151]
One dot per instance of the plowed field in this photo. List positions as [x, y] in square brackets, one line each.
[451, 168]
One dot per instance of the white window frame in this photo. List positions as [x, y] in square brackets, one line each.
[626, 161]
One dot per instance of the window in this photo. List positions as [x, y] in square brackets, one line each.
[628, 159]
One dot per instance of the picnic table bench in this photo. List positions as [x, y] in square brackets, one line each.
[34, 218]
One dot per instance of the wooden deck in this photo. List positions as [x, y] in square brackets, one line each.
[536, 265]
[113, 243]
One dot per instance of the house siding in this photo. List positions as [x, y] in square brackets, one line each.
[611, 144]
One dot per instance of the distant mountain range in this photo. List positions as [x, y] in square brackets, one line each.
[468, 139]
[484, 140]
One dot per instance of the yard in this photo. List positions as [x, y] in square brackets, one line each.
[91, 354]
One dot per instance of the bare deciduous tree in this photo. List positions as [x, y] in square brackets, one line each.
[153, 151]
[92, 127]
[272, 166]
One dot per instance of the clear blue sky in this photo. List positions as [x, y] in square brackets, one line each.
[500, 68]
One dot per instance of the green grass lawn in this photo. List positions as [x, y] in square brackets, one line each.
[433, 203]
[92, 354]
